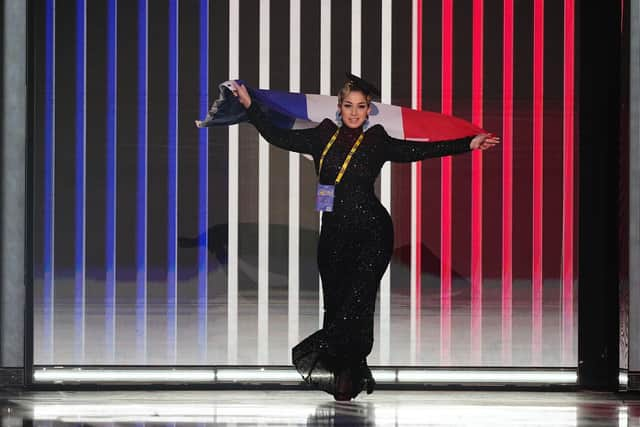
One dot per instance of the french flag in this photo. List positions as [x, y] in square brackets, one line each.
[298, 111]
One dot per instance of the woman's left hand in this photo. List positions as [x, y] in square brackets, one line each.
[484, 141]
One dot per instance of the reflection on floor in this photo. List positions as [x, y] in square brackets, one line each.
[266, 408]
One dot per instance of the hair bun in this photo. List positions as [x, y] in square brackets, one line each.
[361, 84]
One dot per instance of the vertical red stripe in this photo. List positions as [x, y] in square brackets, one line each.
[538, 93]
[567, 190]
[507, 179]
[418, 180]
[476, 189]
[445, 238]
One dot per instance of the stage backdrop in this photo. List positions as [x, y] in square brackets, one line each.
[159, 243]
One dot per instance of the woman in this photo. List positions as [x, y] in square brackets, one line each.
[356, 239]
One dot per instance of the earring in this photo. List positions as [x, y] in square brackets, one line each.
[365, 125]
[338, 119]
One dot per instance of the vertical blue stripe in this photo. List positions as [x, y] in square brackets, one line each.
[80, 191]
[172, 230]
[203, 173]
[110, 205]
[49, 180]
[141, 210]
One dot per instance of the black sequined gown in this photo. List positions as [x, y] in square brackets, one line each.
[355, 245]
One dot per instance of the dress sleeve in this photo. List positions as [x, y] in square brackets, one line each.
[399, 150]
[300, 140]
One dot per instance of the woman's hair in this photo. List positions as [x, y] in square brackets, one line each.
[350, 87]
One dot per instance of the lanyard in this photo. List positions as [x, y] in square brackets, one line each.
[346, 161]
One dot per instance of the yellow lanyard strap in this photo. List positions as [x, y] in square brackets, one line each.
[346, 161]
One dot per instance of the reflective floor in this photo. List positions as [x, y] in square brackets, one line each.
[293, 408]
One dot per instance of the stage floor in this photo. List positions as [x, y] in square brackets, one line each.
[293, 408]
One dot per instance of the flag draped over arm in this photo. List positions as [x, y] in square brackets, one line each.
[298, 110]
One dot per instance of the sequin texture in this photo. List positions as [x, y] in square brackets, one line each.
[355, 244]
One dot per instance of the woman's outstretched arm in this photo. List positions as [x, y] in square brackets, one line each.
[300, 141]
[398, 150]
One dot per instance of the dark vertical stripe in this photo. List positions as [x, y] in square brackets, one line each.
[400, 182]
[172, 183]
[64, 246]
[431, 174]
[248, 188]
[218, 182]
[97, 180]
[141, 184]
[126, 172]
[492, 185]
[158, 164]
[48, 188]
[110, 184]
[371, 41]
[203, 181]
[278, 189]
[309, 222]
[522, 178]
[189, 108]
[340, 42]
[552, 188]
[461, 176]
[371, 49]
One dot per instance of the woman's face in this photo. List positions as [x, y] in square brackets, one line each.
[354, 109]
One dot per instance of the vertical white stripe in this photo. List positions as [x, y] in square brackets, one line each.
[263, 200]
[174, 352]
[385, 181]
[146, 177]
[413, 264]
[325, 89]
[84, 184]
[52, 230]
[232, 246]
[325, 47]
[356, 36]
[112, 345]
[294, 181]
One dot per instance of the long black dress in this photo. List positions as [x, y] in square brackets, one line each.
[355, 245]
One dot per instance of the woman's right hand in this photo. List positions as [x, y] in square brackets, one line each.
[242, 93]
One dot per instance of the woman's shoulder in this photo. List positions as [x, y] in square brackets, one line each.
[377, 130]
[327, 124]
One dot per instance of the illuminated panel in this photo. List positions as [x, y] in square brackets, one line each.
[538, 93]
[49, 181]
[294, 185]
[263, 200]
[289, 375]
[385, 181]
[416, 191]
[203, 183]
[232, 294]
[141, 187]
[111, 181]
[172, 186]
[356, 36]
[476, 184]
[507, 180]
[446, 171]
[325, 89]
[568, 184]
[80, 190]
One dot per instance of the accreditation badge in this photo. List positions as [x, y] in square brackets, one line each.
[324, 198]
